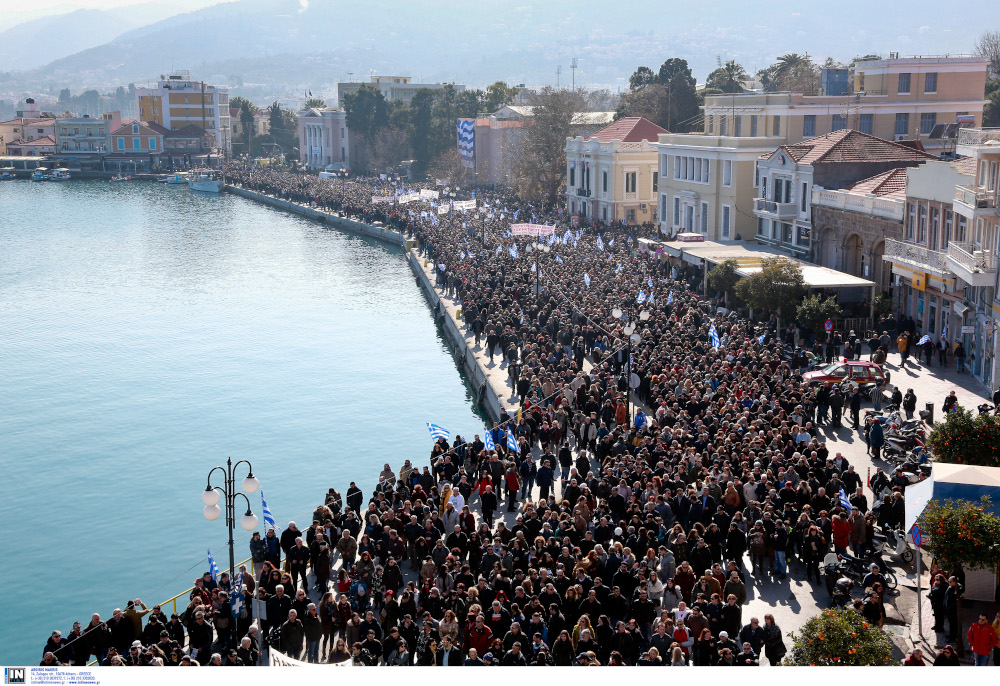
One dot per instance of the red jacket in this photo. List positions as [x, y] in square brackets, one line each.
[981, 638]
[841, 533]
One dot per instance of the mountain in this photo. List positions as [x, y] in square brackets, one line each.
[305, 43]
[39, 41]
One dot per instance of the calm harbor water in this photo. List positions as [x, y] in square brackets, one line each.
[147, 333]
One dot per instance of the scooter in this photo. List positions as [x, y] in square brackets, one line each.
[893, 542]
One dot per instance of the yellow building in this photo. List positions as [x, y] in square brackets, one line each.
[177, 101]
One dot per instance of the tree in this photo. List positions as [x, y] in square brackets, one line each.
[991, 111]
[882, 304]
[367, 113]
[776, 289]
[540, 170]
[839, 637]
[318, 103]
[966, 439]
[960, 533]
[814, 311]
[988, 46]
[64, 96]
[728, 78]
[447, 165]
[498, 94]
[641, 77]
[391, 147]
[723, 278]
[792, 72]
[247, 111]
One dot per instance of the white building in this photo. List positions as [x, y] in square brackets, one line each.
[393, 88]
[324, 141]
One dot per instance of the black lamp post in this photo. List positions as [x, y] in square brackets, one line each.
[631, 338]
[210, 497]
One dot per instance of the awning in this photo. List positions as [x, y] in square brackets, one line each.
[954, 482]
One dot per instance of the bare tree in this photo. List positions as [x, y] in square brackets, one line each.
[389, 149]
[447, 166]
[540, 171]
[988, 45]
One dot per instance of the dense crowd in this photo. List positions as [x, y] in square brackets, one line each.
[632, 535]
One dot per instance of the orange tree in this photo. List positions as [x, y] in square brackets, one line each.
[839, 637]
[961, 533]
[964, 439]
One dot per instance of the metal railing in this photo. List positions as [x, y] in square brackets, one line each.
[979, 198]
[916, 256]
[979, 137]
[865, 204]
[779, 209]
[972, 259]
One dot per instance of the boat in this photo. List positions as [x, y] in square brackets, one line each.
[40, 174]
[120, 177]
[61, 174]
[175, 179]
[206, 181]
[7, 174]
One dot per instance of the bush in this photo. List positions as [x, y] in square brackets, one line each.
[966, 439]
[960, 533]
[839, 637]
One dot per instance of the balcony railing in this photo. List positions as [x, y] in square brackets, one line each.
[583, 192]
[978, 137]
[975, 197]
[915, 255]
[631, 196]
[967, 255]
[855, 202]
[784, 210]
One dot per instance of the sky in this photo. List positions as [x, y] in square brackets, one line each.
[15, 13]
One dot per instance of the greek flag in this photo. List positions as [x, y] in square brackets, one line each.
[586, 279]
[600, 244]
[268, 517]
[513, 251]
[611, 243]
[212, 567]
[649, 281]
[713, 336]
[499, 250]
[438, 432]
[559, 259]
[516, 212]
[534, 267]
[925, 339]
[472, 255]
[641, 298]
[845, 502]
[651, 298]
[618, 270]
[461, 255]
[761, 339]
[467, 141]
[236, 597]
[670, 298]
[488, 441]
[511, 442]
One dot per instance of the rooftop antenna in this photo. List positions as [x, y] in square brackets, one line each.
[350, 76]
[558, 72]
[574, 63]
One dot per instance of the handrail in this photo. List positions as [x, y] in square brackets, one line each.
[173, 600]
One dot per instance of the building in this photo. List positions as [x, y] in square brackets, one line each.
[393, 88]
[324, 141]
[786, 177]
[136, 146]
[261, 124]
[190, 140]
[498, 139]
[82, 140]
[40, 147]
[25, 130]
[612, 174]
[176, 101]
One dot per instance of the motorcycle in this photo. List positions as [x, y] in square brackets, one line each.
[837, 566]
[893, 542]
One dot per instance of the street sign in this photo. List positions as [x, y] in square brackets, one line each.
[915, 533]
[828, 325]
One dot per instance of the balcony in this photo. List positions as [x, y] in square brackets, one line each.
[631, 196]
[781, 210]
[973, 142]
[855, 202]
[973, 266]
[583, 192]
[913, 256]
[973, 203]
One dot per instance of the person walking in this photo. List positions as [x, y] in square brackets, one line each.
[982, 639]
[942, 350]
[902, 345]
[960, 357]
[909, 403]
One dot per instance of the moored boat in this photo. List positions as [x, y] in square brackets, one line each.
[61, 174]
[206, 181]
[40, 174]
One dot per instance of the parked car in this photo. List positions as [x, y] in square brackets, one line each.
[856, 372]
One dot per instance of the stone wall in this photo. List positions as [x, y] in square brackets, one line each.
[832, 249]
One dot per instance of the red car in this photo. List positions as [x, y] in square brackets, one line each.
[856, 371]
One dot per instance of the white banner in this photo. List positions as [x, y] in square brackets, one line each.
[441, 182]
[408, 197]
[465, 204]
[531, 229]
[443, 209]
[279, 659]
[428, 194]
[381, 198]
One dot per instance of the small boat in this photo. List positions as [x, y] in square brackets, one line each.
[7, 174]
[40, 174]
[175, 179]
[119, 177]
[61, 174]
[206, 181]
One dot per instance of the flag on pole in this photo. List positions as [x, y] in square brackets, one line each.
[924, 339]
[511, 441]
[534, 267]
[586, 279]
[845, 502]
[438, 432]
[559, 259]
[268, 517]
[761, 339]
[611, 243]
[236, 597]
[651, 302]
[649, 281]
[713, 336]
[641, 298]
[600, 244]
[488, 441]
[522, 314]
[670, 298]
[618, 270]
[212, 567]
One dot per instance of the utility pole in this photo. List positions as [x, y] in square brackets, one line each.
[558, 72]
[573, 65]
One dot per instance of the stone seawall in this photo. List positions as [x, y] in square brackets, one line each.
[489, 391]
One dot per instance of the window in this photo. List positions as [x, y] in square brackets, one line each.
[663, 208]
[725, 221]
[121, 143]
[902, 123]
[756, 175]
[753, 125]
[911, 220]
[947, 228]
[927, 122]
[738, 126]
[727, 173]
[904, 84]
[804, 200]
[935, 225]
[656, 182]
[572, 175]
[704, 177]
[786, 233]
[839, 122]
[677, 211]
[630, 215]
[776, 126]
[809, 125]
[604, 181]
[704, 217]
[698, 169]
[630, 182]
[960, 233]
[677, 167]
[804, 237]
[760, 226]
[152, 144]
[135, 128]
[722, 126]
[922, 225]
[137, 144]
[866, 123]
[930, 82]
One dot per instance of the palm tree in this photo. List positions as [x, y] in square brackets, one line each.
[728, 78]
[247, 111]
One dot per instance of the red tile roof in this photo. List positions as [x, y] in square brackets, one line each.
[628, 130]
[44, 140]
[966, 165]
[890, 184]
[848, 145]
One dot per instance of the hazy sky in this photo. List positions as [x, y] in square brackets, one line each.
[15, 13]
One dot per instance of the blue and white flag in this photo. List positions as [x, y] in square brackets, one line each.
[499, 250]
[438, 432]
[488, 440]
[559, 259]
[461, 255]
[467, 142]
[600, 244]
[236, 597]
[586, 279]
[513, 251]
[641, 297]
[925, 339]
[611, 243]
[516, 212]
[534, 267]
[268, 517]
[618, 270]
[472, 255]
[649, 281]
[651, 301]
[511, 441]
[761, 339]
[670, 298]
[845, 502]
[213, 568]
[713, 336]
[522, 314]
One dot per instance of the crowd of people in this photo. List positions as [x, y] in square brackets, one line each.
[630, 537]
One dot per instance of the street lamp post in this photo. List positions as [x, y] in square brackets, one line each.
[632, 338]
[541, 247]
[210, 496]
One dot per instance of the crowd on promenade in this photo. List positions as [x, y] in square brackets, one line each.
[631, 538]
